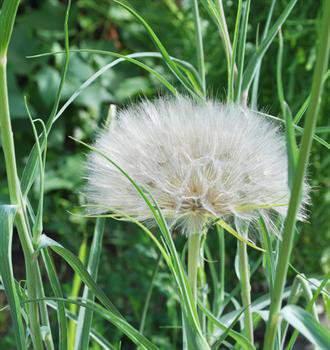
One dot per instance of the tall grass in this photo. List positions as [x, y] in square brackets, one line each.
[209, 320]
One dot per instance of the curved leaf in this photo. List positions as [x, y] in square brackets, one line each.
[306, 324]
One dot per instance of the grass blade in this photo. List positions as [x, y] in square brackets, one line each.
[7, 214]
[113, 313]
[172, 65]
[57, 290]
[304, 322]
[310, 307]
[239, 338]
[241, 50]
[95, 336]
[199, 45]
[231, 78]
[291, 143]
[85, 316]
[254, 61]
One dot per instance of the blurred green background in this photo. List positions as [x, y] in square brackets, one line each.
[129, 258]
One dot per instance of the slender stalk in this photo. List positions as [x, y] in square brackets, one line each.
[7, 19]
[222, 250]
[244, 271]
[288, 235]
[194, 241]
[199, 45]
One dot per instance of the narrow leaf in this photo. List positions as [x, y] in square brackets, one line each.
[7, 214]
[305, 323]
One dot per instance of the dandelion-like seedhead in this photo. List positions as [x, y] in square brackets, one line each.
[199, 161]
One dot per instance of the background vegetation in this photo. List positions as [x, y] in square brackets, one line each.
[127, 253]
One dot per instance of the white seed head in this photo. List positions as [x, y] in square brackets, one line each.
[200, 161]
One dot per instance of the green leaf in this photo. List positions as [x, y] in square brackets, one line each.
[241, 49]
[264, 45]
[97, 337]
[167, 59]
[304, 322]
[7, 215]
[230, 230]
[239, 338]
[114, 316]
[57, 290]
[85, 316]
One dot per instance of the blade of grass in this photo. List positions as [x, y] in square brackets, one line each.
[298, 128]
[291, 143]
[241, 50]
[309, 308]
[231, 83]
[216, 12]
[230, 230]
[199, 45]
[306, 325]
[57, 290]
[252, 65]
[85, 316]
[95, 336]
[295, 198]
[172, 65]
[239, 338]
[41, 160]
[7, 214]
[110, 310]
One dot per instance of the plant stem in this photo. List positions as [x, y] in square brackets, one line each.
[7, 19]
[288, 235]
[193, 262]
[244, 271]
[15, 198]
[222, 250]
[199, 45]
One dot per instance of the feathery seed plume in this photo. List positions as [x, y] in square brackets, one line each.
[199, 161]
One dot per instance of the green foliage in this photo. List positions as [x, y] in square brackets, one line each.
[129, 257]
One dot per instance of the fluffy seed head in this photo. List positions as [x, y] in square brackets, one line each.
[198, 160]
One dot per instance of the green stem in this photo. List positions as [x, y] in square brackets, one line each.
[7, 19]
[222, 259]
[199, 45]
[193, 262]
[288, 234]
[15, 198]
[244, 271]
